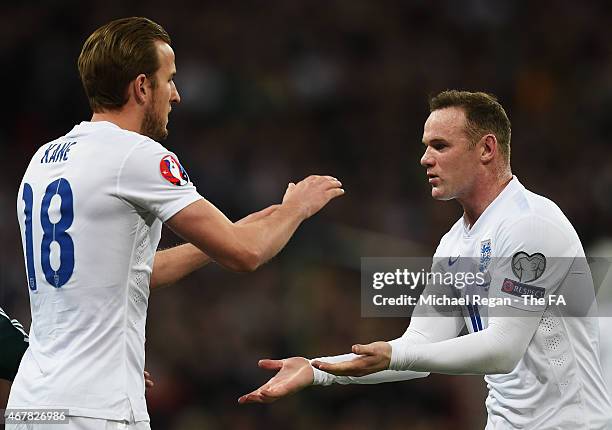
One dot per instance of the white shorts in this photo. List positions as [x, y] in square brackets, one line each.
[83, 423]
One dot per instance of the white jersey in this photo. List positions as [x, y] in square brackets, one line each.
[528, 247]
[90, 208]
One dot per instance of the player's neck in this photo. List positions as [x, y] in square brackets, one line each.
[124, 118]
[482, 195]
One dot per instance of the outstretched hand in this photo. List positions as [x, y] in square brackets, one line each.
[313, 193]
[373, 358]
[293, 375]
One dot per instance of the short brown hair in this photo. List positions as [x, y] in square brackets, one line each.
[483, 115]
[114, 55]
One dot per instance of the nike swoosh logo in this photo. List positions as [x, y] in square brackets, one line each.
[452, 261]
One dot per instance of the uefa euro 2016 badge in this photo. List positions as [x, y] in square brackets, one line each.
[485, 255]
[172, 171]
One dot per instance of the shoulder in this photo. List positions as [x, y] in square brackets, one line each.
[143, 155]
[152, 162]
[145, 146]
[527, 202]
[526, 208]
[114, 139]
[534, 222]
[45, 146]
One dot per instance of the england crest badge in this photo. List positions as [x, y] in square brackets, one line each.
[485, 255]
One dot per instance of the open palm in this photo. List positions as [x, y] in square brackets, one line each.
[293, 375]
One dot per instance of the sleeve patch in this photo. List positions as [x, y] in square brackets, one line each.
[528, 268]
[519, 289]
[173, 171]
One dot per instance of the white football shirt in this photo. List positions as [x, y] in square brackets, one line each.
[525, 246]
[529, 247]
[90, 207]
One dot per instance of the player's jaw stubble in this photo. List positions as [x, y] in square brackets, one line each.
[153, 125]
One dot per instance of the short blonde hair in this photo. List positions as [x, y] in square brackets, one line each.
[483, 115]
[114, 55]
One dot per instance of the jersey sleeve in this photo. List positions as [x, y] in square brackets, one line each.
[13, 344]
[153, 178]
[535, 257]
[497, 349]
[428, 324]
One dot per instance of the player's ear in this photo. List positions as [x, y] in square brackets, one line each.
[139, 88]
[488, 148]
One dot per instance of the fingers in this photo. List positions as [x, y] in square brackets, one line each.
[269, 395]
[334, 192]
[252, 397]
[148, 381]
[360, 366]
[288, 191]
[248, 398]
[328, 180]
[333, 182]
[270, 364]
[363, 349]
[334, 368]
[330, 367]
[294, 374]
[313, 193]
[260, 395]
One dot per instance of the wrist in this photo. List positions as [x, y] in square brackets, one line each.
[320, 377]
[300, 210]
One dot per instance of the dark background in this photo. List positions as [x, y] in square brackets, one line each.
[274, 91]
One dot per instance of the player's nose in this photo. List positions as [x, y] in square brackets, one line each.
[427, 160]
[176, 97]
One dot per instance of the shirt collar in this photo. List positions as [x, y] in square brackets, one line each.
[508, 191]
[85, 126]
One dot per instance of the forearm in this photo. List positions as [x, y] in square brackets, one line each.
[244, 247]
[266, 236]
[496, 349]
[240, 246]
[173, 264]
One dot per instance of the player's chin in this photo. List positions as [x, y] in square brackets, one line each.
[438, 193]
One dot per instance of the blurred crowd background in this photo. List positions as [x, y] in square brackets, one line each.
[274, 91]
